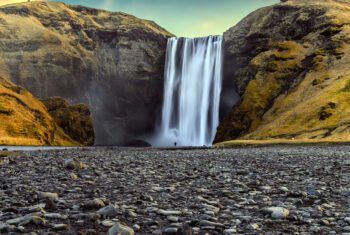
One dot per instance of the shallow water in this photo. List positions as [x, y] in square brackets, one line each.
[32, 148]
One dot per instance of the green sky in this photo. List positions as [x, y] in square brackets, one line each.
[185, 18]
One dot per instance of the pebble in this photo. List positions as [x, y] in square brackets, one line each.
[252, 226]
[164, 212]
[106, 211]
[196, 191]
[277, 212]
[136, 227]
[120, 229]
[108, 223]
[230, 231]
[59, 226]
[173, 219]
[73, 176]
[73, 164]
[209, 223]
[93, 204]
[44, 195]
[170, 231]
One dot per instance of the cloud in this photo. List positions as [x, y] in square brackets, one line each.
[106, 4]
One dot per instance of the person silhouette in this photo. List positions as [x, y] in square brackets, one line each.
[175, 144]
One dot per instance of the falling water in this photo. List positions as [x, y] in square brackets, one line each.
[193, 77]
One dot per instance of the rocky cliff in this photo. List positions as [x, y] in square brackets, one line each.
[25, 120]
[75, 120]
[290, 65]
[113, 62]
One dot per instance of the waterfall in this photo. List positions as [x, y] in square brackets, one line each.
[193, 78]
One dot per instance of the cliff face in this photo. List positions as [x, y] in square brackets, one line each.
[75, 120]
[25, 121]
[290, 65]
[113, 62]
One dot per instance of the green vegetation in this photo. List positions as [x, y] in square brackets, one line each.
[320, 80]
[317, 59]
[320, 52]
[339, 52]
[4, 110]
[346, 87]
[336, 29]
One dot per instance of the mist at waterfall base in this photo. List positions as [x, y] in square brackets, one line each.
[193, 80]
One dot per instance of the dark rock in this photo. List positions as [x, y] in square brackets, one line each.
[93, 204]
[75, 120]
[50, 205]
[184, 230]
[138, 143]
[73, 164]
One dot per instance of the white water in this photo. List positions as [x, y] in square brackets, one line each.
[193, 78]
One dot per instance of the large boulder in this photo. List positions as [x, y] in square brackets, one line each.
[75, 120]
[289, 65]
[112, 62]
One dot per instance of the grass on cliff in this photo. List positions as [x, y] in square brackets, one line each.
[257, 143]
[346, 87]
[25, 121]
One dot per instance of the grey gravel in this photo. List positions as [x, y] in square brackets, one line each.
[272, 190]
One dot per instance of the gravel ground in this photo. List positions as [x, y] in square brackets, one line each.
[265, 190]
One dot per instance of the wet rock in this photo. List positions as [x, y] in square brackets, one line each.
[230, 231]
[252, 226]
[170, 231]
[94, 204]
[277, 212]
[167, 213]
[108, 223]
[136, 227]
[46, 195]
[120, 229]
[184, 230]
[50, 205]
[73, 164]
[107, 211]
[173, 219]
[60, 226]
[209, 223]
[73, 176]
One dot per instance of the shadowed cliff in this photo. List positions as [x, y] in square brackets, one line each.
[290, 65]
[75, 120]
[113, 62]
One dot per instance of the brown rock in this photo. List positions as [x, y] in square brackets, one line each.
[50, 205]
[112, 62]
[73, 164]
[287, 63]
[74, 120]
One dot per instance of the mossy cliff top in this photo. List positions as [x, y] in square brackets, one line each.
[290, 65]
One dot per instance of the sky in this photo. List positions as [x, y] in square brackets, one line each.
[184, 18]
